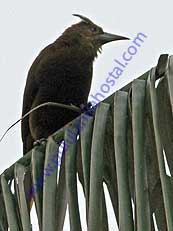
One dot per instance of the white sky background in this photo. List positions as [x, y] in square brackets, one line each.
[26, 27]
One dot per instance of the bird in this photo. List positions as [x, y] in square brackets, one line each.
[61, 73]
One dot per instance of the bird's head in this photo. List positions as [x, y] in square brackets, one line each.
[90, 35]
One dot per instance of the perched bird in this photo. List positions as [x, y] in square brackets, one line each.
[61, 73]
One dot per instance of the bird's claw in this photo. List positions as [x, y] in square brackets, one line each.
[38, 142]
[85, 107]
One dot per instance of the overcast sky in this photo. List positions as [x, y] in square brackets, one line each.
[26, 27]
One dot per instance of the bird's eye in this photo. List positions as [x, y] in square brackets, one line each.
[94, 29]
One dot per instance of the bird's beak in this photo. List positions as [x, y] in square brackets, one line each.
[107, 37]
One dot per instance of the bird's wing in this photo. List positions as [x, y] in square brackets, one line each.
[44, 72]
[30, 92]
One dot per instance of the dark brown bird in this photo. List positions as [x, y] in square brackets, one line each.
[61, 73]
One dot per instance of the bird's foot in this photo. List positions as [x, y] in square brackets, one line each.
[85, 107]
[38, 142]
[88, 108]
